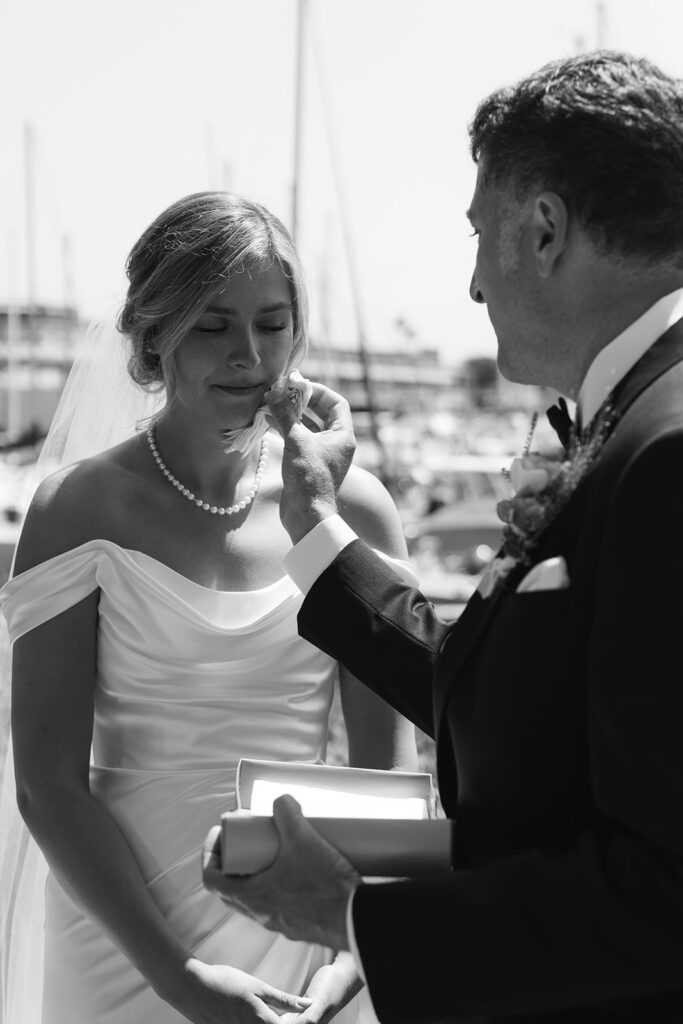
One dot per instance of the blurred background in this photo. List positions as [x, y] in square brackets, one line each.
[348, 119]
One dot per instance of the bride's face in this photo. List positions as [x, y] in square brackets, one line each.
[236, 349]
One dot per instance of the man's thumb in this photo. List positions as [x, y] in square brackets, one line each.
[287, 816]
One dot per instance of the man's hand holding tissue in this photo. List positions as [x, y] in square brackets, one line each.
[314, 464]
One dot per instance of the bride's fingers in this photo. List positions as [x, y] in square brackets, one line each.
[283, 1000]
[264, 1014]
[311, 1015]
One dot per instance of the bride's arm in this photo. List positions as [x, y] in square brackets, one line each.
[52, 720]
[378, 736]
[52, 708]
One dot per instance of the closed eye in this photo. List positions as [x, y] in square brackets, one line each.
[220, 328]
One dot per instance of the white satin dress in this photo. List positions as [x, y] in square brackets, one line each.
[189, 680]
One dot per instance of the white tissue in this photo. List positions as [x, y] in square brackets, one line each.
[244, 439]
[299, 391]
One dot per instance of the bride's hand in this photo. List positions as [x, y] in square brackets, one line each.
[330, 988]
[215, 993]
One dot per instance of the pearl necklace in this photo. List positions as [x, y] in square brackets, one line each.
[216, 510]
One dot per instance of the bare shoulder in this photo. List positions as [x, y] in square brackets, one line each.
[368, 508]
[73, 505]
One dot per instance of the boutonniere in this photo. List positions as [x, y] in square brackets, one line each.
[542, 486]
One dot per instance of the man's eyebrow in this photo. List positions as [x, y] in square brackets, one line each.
[469, 214]
[274, 307]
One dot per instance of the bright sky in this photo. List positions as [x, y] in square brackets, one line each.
[134, 103]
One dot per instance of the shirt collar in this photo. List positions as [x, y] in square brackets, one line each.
[614, 361]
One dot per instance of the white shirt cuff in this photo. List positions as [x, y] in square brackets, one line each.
[351, 935]
[318, 549]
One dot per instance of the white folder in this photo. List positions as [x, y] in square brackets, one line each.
[380, 820]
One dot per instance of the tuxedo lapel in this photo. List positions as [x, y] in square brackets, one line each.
[456, 648]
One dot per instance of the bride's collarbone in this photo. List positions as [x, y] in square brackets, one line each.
[235, 560]
[240, 552]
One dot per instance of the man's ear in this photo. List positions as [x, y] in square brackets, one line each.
[549, 231]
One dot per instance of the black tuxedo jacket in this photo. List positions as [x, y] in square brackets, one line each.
[558, 717]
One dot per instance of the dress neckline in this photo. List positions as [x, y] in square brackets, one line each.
[269, 588]
[284, 582]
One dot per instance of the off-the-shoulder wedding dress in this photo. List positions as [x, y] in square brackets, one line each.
[189, 680]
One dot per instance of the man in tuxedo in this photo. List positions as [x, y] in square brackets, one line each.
[556, 700]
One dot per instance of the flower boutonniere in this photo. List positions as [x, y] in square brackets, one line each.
[542, 486]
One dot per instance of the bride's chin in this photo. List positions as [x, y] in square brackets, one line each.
[238, 423]
[242, 414]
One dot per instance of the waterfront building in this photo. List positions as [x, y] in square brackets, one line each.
[37, 347]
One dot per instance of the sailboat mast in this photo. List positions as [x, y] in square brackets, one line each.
[13, 386]
[352, 266]
[600, 25]
[298, 115]
[30, 229]
[30, 213]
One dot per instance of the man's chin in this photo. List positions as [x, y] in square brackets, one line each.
[507, 371]
[513, 374]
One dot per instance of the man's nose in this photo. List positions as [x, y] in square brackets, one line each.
[476, 293]
[244, 352]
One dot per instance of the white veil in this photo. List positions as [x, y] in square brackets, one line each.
[100, 406]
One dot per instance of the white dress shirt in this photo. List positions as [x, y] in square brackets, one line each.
[614, 361]
[318, 549]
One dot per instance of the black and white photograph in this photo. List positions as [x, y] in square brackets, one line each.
[341, 512]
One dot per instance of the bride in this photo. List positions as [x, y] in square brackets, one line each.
[155, 644]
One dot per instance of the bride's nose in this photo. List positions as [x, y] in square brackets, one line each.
[243, 352]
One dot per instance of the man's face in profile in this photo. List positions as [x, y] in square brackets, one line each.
[504, 280]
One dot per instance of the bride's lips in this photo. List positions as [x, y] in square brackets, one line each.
[244, 390]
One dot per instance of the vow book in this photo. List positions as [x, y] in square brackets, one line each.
[382, 821]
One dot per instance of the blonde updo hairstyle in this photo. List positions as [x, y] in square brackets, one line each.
[183, 259]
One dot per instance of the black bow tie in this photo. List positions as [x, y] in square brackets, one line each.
[561, 422]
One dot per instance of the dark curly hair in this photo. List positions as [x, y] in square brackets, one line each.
[183, 258]
[605, 132]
